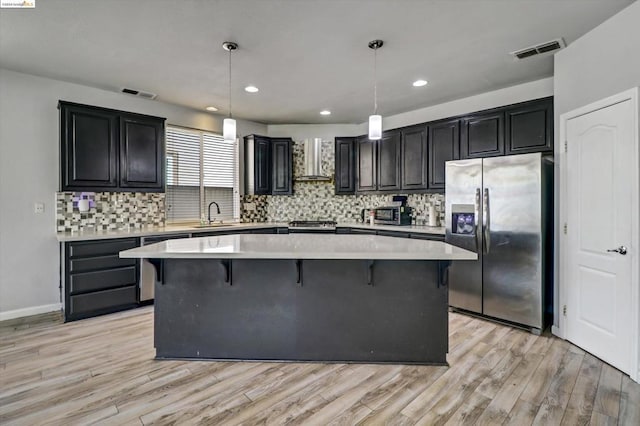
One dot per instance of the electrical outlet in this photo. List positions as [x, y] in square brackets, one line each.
[38, 207]
[250, 207]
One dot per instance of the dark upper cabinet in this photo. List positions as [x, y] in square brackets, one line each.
[108, 150]
[482, 135]
[389, 161]
[141, 153]
[366, 164]
[282, 156]
[444, 145]
[89, 148]
[345, 165]
[529, 127]
[268, 165]
[415, 156]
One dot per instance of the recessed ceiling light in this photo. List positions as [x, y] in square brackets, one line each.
[325, 112]
[419, 83]
[251, 89]
[211, 108]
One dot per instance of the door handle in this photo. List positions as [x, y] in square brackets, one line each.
[476, 212]
[299, 269]
[228, 272]
[620, 250]
[486, 211]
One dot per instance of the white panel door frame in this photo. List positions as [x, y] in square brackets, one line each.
[628, 95]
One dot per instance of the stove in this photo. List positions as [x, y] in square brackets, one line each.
[322, 226]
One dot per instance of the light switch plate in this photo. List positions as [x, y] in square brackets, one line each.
[38, 207]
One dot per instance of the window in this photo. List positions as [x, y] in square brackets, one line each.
[201, 168]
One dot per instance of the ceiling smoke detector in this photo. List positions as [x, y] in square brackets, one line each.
[139, 93]
[539, 49]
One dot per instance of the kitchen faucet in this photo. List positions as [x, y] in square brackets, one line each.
[209, 209]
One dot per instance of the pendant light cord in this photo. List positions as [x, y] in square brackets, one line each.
[375, 81]
[230, 113]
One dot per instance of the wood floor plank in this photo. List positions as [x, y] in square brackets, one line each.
[102, 371]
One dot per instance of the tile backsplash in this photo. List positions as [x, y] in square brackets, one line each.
[109, 210]
[313, 200]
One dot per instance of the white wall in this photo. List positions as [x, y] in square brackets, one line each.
[603, 62]
[300, 132]
[29, 160]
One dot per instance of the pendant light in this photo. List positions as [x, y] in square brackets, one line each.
[229, 124]
[375, 120]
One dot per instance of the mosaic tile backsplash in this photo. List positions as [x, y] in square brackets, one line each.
[314, 200]
[109, 210]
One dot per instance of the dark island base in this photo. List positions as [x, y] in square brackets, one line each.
[311, 310]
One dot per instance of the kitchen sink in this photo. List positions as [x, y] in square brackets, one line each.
[212, 225]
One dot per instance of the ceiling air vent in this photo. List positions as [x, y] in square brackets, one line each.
[539, 49]
[140, 93]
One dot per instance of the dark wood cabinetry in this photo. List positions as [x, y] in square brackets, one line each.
[345, 149]
[109, 150]
[282, 166]
[415, 156]
[529, 127]
[388, 163]
[482, 135]
[444, 145]
[97, 281]
[141, 154]
[89, 148]
[367, 168]
[268, 165]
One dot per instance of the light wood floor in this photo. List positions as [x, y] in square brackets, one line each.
[102, 371]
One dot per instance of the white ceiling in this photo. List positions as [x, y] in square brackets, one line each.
[304, 55]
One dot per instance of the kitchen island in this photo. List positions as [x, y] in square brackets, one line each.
[302, 297]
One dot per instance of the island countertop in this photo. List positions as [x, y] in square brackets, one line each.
[301, 246]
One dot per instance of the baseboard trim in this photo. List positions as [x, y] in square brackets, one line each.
[26, 312]
[556, 331]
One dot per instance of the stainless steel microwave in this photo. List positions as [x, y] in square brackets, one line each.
[394, 215]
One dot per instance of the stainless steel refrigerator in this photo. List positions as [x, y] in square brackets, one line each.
[502, 209]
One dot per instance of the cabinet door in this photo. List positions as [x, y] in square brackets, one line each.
[141, 153]
[483, 135]
[367, 174]
[415, 156]
[345, 166]
[282, 175]
[444, 145]
[389, 161]
[529, 127]
[88, 149]
[262, 165]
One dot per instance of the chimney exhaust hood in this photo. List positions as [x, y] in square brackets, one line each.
[313, 161]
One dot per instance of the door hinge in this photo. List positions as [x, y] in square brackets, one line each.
[564, 229]
[565, 146]
[564, 310]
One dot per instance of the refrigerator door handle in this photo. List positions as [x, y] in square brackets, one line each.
[486, 220]
[476, 212]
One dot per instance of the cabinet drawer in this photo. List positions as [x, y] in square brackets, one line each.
[102, 262]
[100, 248]
[100, 280]
[102, 301]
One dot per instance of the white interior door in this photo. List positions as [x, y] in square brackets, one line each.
[600, 178]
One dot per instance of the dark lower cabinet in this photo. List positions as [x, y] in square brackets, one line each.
[141, 155]
[444, 145]
[389, 159]
[366, 164]
[96, 280]
[108, 150]
[345, 173]
[415, 158]
[88, 148]
[482, 135]
[282, 167]
[529, 127]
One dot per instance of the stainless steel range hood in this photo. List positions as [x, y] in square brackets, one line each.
[313, 161]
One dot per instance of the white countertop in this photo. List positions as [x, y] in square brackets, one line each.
[301, 246]
[192, 229]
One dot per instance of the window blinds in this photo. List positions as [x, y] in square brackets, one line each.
[201, 168]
